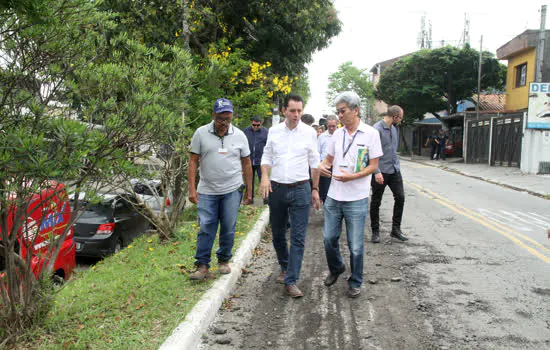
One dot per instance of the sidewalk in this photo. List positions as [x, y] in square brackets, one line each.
[538, 185]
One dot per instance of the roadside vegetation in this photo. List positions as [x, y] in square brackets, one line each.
[133, 299]
[97, 93]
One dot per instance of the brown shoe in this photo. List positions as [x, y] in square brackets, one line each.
[200, 274]
[293, 291]
[224, 268]
[281, 278]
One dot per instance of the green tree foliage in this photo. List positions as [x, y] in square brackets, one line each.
[301, 87]
[38, 50]
[48, 58]
[433, 80]
[351, 78]
[286, 34]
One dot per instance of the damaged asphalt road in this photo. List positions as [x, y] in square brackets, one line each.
[455, 284]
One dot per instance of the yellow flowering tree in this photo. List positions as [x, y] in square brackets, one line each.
[251, 86]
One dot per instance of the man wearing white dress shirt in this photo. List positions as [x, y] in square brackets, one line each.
[324, 139]
[290, 151]
[353, 153]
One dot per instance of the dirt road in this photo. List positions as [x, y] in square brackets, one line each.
[387, 314]
[474, 275]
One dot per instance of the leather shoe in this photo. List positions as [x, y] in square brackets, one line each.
[224, 268]
[333, 277]
[354, 292]
[293, 291]
[281, 278]
[200, 274]
[396, 233]
[375, 237]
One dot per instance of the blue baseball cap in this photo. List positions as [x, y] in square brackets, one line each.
[223, 105]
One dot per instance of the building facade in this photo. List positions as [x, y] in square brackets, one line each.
[523, 54]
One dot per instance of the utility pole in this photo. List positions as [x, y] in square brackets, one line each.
[540, 45]
[479, 76]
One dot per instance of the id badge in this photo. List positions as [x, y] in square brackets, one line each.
[345, 166]
[222, 151]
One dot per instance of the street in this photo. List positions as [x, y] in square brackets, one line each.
[474, 275]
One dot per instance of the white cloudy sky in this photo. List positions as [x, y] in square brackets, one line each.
[377, 31]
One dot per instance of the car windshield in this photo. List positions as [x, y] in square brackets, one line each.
[95, 209]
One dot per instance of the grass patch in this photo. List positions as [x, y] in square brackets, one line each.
[134, 299]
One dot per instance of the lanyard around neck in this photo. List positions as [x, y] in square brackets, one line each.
[344, 143]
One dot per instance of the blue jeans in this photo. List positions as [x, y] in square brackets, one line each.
[355, 214]
[293, 201]
[213, 211]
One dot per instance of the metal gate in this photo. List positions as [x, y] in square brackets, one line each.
[506, 143]
[478, 141]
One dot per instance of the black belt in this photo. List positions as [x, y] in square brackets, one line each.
[294, 184]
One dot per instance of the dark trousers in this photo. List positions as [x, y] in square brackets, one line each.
[395, 182]
[324, 184]
[442, 151]
[293, 202]
[256, 171]
[433, 150]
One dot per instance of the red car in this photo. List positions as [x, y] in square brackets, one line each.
[48, 215]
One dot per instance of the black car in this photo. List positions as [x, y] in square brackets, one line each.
[104, 228]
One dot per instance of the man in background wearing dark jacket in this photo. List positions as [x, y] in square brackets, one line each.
[257, 138]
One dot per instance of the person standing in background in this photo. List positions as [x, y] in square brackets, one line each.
[388, 173]
[257, 138]
[324, 139]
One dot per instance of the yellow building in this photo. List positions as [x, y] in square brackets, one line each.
[521, 53]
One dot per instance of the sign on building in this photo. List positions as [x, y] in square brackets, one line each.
[538, 114]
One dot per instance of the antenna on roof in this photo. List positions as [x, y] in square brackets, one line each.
[424, 40]
[465, 38]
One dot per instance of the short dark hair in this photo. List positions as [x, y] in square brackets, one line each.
[393, 111]
[294, 97]
[383, 114]
[256, 118]
[308, 119]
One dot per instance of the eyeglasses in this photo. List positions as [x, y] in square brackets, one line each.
[256, 125]
[341, 111]
[331, 126]
[221, 120]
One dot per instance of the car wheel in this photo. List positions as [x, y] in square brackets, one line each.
[57, 278]
[118, 246]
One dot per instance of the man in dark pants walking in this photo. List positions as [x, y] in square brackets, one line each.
[257, 138]
[290, 151]
[441, 140]
[388, 173]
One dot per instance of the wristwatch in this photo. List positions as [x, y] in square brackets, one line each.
[315, 188]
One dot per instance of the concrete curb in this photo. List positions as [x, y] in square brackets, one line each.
[187, 334]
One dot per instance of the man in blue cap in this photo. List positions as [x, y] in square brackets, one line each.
[223, 154]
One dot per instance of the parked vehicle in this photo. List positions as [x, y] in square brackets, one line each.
[48, 215]
[151, 192]
[106, 227]
[453, 147]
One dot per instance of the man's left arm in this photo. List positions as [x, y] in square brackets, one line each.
[247, 171]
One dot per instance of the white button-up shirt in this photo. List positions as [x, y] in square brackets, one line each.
[290, 153]
[366, 140]
[323, 142]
